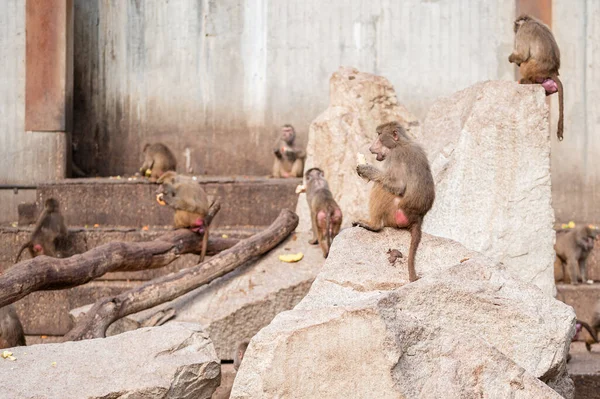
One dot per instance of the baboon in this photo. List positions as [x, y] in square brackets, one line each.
[538, 57]
[325, 213]
[289, 159]
[239, 353]
[11, 330]
[158, 159]
[190, 202]
[404, 190]
[573, 247]
[49, 230]
[592, 337]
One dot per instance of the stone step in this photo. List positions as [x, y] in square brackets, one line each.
[581, 297]
[245, 201]
[84, 239]
[584, 369]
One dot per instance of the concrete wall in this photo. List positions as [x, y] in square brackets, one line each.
[217, 77]
[26, 157]
[575, 160]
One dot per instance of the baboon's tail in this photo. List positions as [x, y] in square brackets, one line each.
[561, 106]
[415, 239]
[26, 245]
[592, 332]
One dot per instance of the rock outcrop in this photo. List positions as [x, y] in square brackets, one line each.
[173, 361]
[467, 328]
[359, 102]
[489, 148]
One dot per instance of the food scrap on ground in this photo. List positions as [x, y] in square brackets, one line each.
[291, 258]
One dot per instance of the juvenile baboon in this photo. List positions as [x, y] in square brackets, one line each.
[289, 159]
[403, 191]
[572, 248]
[325, 213]
[239, 353]
[190, 202]
[11, 330]
[49, 230]
[158, 159]
[538, 57]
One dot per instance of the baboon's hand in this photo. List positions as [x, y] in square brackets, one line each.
[365, 171]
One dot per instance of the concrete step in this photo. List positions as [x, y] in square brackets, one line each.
[84, 239]
[581, 297]
[584, 369]
[131, 202]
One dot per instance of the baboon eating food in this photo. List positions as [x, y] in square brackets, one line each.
[325, 214]
[572, 248]
[49, 230]
[289, 159]
[404, 190]
[538, 57]
[158, 159]
[190, 202]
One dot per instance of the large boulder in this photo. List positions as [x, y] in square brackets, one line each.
[359, 102]
[173, 361]
[489, 148]
[467, 328]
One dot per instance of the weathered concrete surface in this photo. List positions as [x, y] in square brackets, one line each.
[128, 93]
[235, 307]
[581, 297]
[123, 202]
[413, 340]
[489, 149]
[10, 203]
[584, 369]
[25, 157]
[174, 361]
[359, 102]
[575, 170]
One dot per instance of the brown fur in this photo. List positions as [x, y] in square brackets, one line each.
[189, 200]
[11, 330]
[405, 184]
[289, 158]
[572, 248]
[158, 159]
[239, 353]
[538, 57]
[49, 230]
[320, 201]
[592, 337]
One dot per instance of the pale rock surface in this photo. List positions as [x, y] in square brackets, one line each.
[489, 148]
[236, 306]
[173, 361]
[468, 328]
[359, 102]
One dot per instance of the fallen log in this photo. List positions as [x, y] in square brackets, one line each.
[166, 288]
[46, 273]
